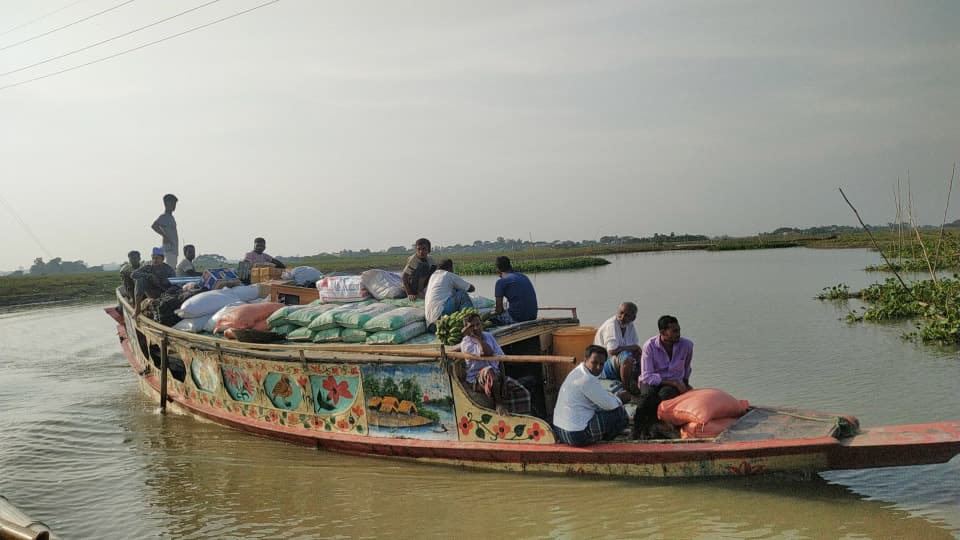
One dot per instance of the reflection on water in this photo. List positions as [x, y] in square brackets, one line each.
[84, 451]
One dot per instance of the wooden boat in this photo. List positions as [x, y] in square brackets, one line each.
[346, 398]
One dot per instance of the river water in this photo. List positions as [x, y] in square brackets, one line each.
[83, 450]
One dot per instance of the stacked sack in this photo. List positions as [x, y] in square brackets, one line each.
[702, 412]
[201, 312]
[356, 322]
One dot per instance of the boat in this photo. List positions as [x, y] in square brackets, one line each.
[15, 525]
[410, 402]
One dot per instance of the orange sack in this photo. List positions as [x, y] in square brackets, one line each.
[701, 406]
[711, 429]
[248, 317]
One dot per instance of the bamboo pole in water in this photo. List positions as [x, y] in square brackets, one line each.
[163, 374]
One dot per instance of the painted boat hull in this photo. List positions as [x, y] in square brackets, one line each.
[522, 444]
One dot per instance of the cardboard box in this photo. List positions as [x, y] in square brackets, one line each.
[216, 278]
[265, 273]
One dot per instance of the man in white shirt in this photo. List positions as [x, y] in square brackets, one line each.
[618, 336]
[586, 412]
[446, 293]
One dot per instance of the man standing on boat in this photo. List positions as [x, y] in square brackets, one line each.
[417, 272]
[664, 372]
[586, 412]
[166, 227]
[446, 293]
[618, 335]
[518, 291]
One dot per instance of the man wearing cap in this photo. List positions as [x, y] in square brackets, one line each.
[166, 227]
[151, 280]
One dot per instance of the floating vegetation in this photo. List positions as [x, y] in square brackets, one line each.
[840, 291]
[531, 265]
[934, 304]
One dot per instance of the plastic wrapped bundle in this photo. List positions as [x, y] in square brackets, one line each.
[382, 284]
[396, 318]
[356, 318]
[327, 336]
[304, 275]
[341, 289]
[397, 336]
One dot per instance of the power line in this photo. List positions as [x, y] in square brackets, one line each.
[105, 58]
[40, 18]
[57, 29]
[25, 227]
[118, 36]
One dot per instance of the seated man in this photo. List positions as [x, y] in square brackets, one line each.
[126, 272]
[417, 271]
[486, 376]
[664, 372]
[151, 280]
[446, 294]
[256, 257]
[185, 268]
[586, 412]
[517, 290]
[618, 336]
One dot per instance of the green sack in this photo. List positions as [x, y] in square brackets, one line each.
[327, 336]
[300, 334]
[328, 319]
[279, 317]
[358, 317]
[423, 339]
[284, 329]
[353, 335]
[397, 318]
[398, 336]
[305, 316]
[403, 302]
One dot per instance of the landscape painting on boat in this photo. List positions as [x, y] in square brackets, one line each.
[408, 400]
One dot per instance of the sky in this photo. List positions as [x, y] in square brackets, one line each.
[346, 125]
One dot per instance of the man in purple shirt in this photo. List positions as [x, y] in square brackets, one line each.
[664, 372]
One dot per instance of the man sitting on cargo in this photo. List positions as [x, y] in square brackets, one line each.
[446, 294]
[618, 336]
[255, 257]
[586, 412]
[186, 268]
[418, 269]
[126, 271]
[518, 291]
[486, 376]
[151, 280]
[664, 372]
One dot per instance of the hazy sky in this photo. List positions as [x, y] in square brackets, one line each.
[332, 125]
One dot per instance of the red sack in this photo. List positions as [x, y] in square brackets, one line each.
[709, 430]
[248, 317]
[701, 406]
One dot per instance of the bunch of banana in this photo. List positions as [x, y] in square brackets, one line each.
[450, 327]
